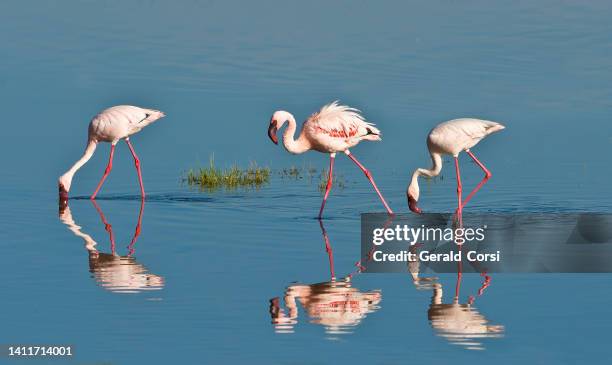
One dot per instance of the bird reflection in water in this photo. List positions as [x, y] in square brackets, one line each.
[334, 304]
[460, 324]
[116, 273]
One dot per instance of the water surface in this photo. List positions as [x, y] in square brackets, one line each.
[209, 274]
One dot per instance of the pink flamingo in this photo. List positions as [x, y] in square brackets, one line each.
[451, 138]
[335, 128]
[111, 125]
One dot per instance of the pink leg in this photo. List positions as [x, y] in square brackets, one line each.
[107, 226]
[485, 283]
[459, 275]
[369, 176]
[359, 264]
[329, 182]
[109, 167]
[137, 163]
[482, 182]
[131, 249]
[328, 249]
[459, 189]
[458, 285]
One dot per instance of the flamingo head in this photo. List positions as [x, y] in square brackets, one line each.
[64, 187]
[412, 194]
[279, 118]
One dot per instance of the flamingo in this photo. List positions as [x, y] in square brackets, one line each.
[111, 125]
[450, 138]
[335, 304]
[116, 273]
[335, 128]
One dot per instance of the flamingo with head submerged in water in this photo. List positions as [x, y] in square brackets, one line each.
[335, 128]
[450, 138]
[111, 125]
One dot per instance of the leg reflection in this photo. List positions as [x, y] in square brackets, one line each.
[334, 304]
[116, 273]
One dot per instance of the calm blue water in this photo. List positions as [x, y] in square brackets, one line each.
[196, 285]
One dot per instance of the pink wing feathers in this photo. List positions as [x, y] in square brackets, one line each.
[342, 121]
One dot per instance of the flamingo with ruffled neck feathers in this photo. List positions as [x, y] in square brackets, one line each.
[111, 125]
[335, 128]
[450, 138]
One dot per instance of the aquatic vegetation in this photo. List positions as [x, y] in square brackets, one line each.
[314, 176]
[295, 172]
[212, 177]
[338, 181]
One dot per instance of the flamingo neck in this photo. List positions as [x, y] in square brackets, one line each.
[436, 167]
[291, 144]
[66, 218]
[66, 178]
[437, 294]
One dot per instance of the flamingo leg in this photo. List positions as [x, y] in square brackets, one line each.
[137, 164]
[107, 171]
[459, 189]
[482, 182]
[485, 284]
[107, 227]
[369, 176]
[328, 249]
[329, 183]
[130, 247]
[458, 286]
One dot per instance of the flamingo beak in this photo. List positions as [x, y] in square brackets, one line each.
[412, 204]
[272, 132]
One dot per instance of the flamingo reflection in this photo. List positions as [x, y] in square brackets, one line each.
[460, 324]
[116, 273]
[334, 304]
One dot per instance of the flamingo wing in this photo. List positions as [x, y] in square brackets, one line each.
[121, 121]
[341, 121]
[467, 128]
[459, 134]
[139, 118]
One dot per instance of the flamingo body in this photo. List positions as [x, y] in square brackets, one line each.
[458, 135]
[119, 122]
[450, 138]
[111, 125]
[334, 128]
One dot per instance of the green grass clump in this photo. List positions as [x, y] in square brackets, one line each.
[295, 172]
[338, 180]
[213, 178]
[310, 173]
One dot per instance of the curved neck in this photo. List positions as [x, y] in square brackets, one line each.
[66, 218]
[291, 144]
[89, 151]
[437, 294]
[436, 167]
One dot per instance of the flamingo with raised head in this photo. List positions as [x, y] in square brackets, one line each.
[111, 125]
[335, 128]
[450, 138]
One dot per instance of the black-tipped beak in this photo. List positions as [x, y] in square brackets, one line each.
[272, 132]
[412, 204]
